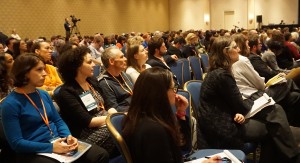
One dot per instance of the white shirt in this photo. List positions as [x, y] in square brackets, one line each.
[133, 73]
[247, 79]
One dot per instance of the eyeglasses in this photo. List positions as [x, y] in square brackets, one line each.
[231, 47]
[175, 88]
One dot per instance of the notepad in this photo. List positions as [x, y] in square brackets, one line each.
[259, 104]
[279, 78]
[224, 154]
[69, 157]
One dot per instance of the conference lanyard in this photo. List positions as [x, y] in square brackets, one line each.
[97, 96]
[129, 89]
[45, 117]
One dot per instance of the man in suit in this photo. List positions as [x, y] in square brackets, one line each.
[157, 58]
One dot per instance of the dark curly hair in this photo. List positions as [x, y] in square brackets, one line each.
[70, 61]
[4, 76]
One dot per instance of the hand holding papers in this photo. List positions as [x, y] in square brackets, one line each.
[71, 156]
[223, 156]
[279, 78]
[259, 104]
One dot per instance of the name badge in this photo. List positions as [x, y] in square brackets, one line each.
[88, 101]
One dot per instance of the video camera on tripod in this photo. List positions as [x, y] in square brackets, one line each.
[74, 28]
[74, 19]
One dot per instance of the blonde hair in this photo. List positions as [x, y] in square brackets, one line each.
[190, 37]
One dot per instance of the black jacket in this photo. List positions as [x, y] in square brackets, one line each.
[261, 67]
[113, 94]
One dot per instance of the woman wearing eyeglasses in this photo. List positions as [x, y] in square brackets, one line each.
[151, 129]
[221, 114]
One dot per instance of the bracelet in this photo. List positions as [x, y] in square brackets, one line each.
[180, 115]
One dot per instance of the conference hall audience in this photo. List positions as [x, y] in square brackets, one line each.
[30, 121]
[113, 90]
[222, 122]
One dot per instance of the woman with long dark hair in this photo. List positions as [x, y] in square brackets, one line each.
[20, 47]
[151, 129]
[137, 56]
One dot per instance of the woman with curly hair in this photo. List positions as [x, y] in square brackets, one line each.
[6, 62]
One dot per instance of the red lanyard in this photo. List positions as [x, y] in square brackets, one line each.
[129, 89]
[96, 95]
[45, 118]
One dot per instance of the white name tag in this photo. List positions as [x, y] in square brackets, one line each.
[88, 101]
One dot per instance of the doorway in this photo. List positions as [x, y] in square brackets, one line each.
[229, 20]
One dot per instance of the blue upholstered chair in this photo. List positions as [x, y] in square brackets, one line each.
[194, 88]
[195, 63]
[177, 69]
[186, 70]
[114, 125]
[6, 153]
[97, 70]
[204, 58]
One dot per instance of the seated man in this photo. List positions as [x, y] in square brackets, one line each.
[116, 86]
[157, 58]
[176, 47]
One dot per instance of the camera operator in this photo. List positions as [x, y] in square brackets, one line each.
[67, 28]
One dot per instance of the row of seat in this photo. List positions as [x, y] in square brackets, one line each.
[192, 67]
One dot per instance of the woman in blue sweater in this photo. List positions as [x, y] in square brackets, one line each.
[30, 121]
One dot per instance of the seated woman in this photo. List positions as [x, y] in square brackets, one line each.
[81, 104]
[6, 86]
[151, 129]
[31, 123]
[20, 47]
[137, 56]
[249, 81]
[52, 79]
[222, 110]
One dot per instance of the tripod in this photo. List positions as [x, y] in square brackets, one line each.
[75, 30]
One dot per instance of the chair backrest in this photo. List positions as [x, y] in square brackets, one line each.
[186, 70]
[194, 88]
[114, 125]
[56, 90]
[55, 93]
[3, 140]
[187, 95]
[97, 70]
[204, 58]
[177, 69]
[195, 63]
[6, 153]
